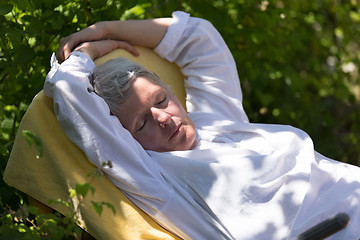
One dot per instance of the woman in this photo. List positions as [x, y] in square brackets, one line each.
[233, 179]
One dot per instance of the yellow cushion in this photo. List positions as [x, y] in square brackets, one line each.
[63, 165]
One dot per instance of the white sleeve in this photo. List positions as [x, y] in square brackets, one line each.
[85, 118]
[212, 83]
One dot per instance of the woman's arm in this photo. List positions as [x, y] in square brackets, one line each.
[212, 83]
[97, 49]
[146, 33]
[86, 120]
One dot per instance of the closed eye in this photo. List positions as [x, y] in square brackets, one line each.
[142, 125]
[163, 100]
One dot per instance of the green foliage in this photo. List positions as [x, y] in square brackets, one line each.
[31, 138]
[82, 189]
[297, 61]
[19, 225]
[98, 207]
[27, 223]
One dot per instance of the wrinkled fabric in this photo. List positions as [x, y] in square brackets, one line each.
[243, 180]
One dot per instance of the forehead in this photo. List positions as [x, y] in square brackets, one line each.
[142, 96]
[143, 85]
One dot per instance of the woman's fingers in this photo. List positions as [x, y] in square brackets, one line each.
[128, 47]
[98, 49]
[60, 51]
[67, 44]
[65, 48]
[107, 46]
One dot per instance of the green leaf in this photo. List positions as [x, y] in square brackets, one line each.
[3, 150]
[96, 4]
[77, 230]
[72, 192]
[83, 189]
[95, 173]
[24, 5]
[31, 138]
[109, 205]
[57, 232]
[33, 210]
[97, 207]
[25, 54]
[60, 201]
[5, 8]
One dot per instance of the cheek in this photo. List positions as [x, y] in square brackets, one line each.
[149, 140]
[145, 143]
[181, 113]
[176, 109]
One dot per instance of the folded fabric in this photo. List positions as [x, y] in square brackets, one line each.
[63, 165]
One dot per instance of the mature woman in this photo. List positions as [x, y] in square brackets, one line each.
[232, 179]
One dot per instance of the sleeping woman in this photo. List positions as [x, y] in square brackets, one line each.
[204, 172]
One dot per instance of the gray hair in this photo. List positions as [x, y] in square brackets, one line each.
[113, 80]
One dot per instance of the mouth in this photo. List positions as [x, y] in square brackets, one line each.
[175, 132]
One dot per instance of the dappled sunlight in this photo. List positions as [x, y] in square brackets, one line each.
[275, 195]
[251, 185]
[297, 62]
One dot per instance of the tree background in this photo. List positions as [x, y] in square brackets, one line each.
[297, 60]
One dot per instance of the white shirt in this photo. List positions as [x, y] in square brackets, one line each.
[243, 181]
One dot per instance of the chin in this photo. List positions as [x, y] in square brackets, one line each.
[187, 143]
[190, 144]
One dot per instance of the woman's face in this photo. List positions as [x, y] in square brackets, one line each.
[156, 119]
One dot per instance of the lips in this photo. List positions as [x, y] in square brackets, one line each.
[175, 132]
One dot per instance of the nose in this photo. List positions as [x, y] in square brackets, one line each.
[160, 116]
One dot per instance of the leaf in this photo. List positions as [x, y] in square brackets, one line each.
[83, 189]
[97, 207]
[33, 210]
[60, 201]
[24, 5]
[72, 192]
[3, 150]
[109, 205]
[57, 232]
[31, 138]
[96, 4]
[77, 230]
[5, 8]
[25, 54]
[95, 173]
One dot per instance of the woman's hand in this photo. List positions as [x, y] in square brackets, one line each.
[67, 44]
[98, 49]
[145, 33]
